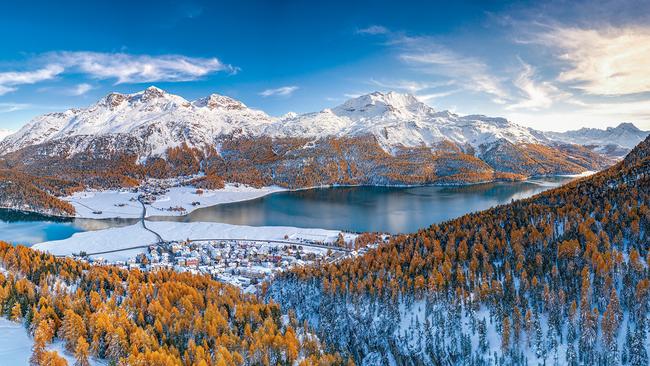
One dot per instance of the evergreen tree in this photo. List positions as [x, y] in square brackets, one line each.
[638, 353]
[81, 352]
[16, 313]
[482, 336]
[505, 334]
[571, 355]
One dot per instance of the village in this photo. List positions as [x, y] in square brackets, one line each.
[245, 263]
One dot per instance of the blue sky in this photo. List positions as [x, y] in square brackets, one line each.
[549, 65]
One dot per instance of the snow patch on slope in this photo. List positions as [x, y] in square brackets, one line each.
[16, 346]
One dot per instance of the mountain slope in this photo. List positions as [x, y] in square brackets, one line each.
[130, 317]
[562, 276]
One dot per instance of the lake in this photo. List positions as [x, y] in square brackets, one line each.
[364, 208]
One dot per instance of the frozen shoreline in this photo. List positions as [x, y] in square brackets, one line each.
[135, 235]
[124, 204]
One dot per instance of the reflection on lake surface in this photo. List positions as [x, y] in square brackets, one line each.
[30, 228]
[387, 209]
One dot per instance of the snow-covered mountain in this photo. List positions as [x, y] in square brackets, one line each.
[616, 141]
[159, 119]
[400, 120]
[163, 120]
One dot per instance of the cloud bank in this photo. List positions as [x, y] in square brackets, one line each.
[121, 67]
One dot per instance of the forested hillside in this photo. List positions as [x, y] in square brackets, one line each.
[560, 278]
[146, 319]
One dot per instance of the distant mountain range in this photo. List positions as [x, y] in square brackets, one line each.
[613, 141]
[161, 120]
[377, 139]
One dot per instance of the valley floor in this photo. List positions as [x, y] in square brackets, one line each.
[136, 235]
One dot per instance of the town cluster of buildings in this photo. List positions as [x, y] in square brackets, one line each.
[148, 193]
[243, 263]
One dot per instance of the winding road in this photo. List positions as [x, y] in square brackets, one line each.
[144, 225]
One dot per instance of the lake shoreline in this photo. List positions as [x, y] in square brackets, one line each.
[273, 190]
[389, 209]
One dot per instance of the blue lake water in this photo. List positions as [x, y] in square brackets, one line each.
[386, 209]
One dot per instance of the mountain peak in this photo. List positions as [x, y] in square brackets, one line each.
[151, 93]
[214, 101]
[627, 126]
[391, 98]
[154, 90]
[113, 100]
[289, 115]
[379, 103]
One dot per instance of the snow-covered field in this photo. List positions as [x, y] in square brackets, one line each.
[135, 235]
[123, 204]
[16, 345]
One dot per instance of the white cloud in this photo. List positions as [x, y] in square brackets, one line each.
[410, 86]
[80, 89]
[127, 68]
[6, 89]
[353, 95]
[10, 79]
[284, 91]
[432, 96]
[607, 61]
[374, 30]
[596, 115]
[536, 94]
[466, 72]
